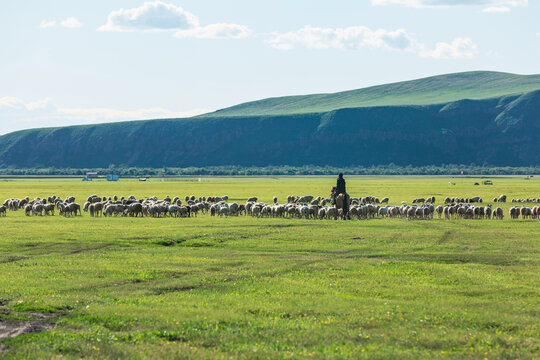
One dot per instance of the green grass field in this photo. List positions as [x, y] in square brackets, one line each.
[271, 288]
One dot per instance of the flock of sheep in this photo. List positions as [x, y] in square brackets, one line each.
[307, 207]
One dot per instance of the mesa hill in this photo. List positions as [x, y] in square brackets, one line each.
[500, 125]
[426, 91]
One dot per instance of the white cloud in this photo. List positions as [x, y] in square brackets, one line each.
[157, 15]
[16, 114]
[71, 22]
[215, 31]
[459, 48]
[496, 9]
[449, 3]
[47, 24]
[151, 16]
[357, 37]
[353, 37]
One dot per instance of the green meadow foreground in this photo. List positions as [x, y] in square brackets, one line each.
[242, 287]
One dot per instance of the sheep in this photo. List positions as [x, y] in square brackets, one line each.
[498, 213]
[446, 211]
[74, 208]
[487, 212]
[234, 207]
[525, 212]
[91, 210]
[514, 212]
[49, 209]
[332, 212]
[305, 199]
[173, 210]
[224, 210]
[256, 210]
[385, 200]
[439, 210]
[3, 210]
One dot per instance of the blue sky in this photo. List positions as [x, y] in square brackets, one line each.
[74, 62]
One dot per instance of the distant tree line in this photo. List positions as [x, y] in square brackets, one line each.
[233, 170]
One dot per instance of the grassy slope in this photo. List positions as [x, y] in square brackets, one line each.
[431, 90]
[279, 288]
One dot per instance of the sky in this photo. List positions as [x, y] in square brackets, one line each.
[65, 62]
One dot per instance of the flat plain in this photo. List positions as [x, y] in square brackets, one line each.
[242, 287]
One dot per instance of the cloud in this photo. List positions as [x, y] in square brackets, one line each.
[496, 9]
[459, 48]
[71, 22]
[151, 16]
[155, 16]
[357, 37]
[215, 31]
[16, 114]
[449, 3]
[349, 38]
[47, 24]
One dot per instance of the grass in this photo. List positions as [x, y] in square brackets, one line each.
[272, 288]
[432, 90]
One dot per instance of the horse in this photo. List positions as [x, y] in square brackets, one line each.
[339, 202]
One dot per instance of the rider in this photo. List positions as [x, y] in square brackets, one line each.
[340, 189]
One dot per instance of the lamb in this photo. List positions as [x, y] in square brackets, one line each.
[3, 210]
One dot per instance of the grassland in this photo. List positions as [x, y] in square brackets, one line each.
[271, 288]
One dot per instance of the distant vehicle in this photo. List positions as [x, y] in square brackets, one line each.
[86, 179]
[488, 182]
[111, 177]
[142, 179]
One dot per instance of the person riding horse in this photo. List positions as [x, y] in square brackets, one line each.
[340, 189]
